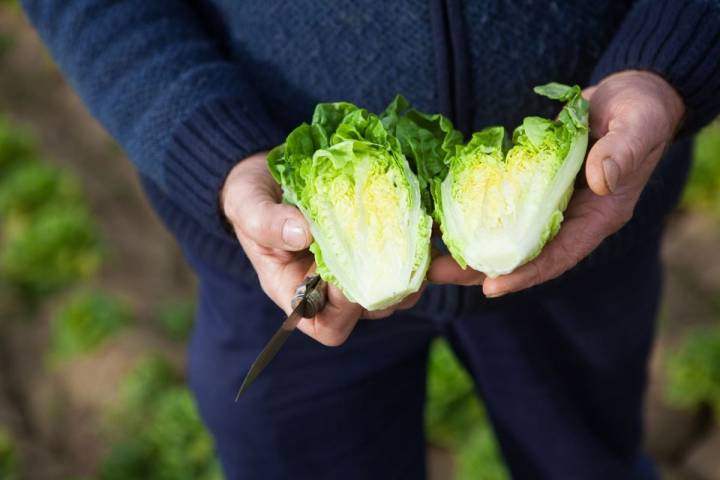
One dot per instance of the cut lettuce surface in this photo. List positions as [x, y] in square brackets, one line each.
[497, 208]
[347, 173]
[497, 204]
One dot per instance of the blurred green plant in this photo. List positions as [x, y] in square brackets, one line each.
[57, 248]
[16, 146]
[693, 371]
[456, 420]
[85, 321]
[29, 188]
[49, 240]
[159, 433]
[8, 457]
[6, 44]
[176, 319]
[703, 188]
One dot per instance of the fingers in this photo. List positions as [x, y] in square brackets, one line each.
[251, 201]
[618, 156]
[445, 269]
[407, 303]
[631, 116]
[332, 326]
[589, 221]
[273, 225]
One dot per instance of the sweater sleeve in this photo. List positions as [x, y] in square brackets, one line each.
[680, 41]
[157, 79]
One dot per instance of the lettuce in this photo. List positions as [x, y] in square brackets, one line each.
[347, 174]
[498, 209]
[496, 206]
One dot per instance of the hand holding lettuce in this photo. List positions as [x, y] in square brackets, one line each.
[633, 116]
[347, 174]
[498, 207]
[366, 184]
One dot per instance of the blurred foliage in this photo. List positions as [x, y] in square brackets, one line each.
[16, 146]
[8, 457]
[693, 371]
[456, 420]
[85, 321]
[6, 44]
[33, 186]
[57, 248]
[693, 368]
[176, 319]
[160, 436]
[703, 189]
[49, 240]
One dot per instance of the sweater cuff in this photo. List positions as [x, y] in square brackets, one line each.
[203, 150]
[680, 41]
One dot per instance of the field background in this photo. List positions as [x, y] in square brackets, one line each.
[96, 305]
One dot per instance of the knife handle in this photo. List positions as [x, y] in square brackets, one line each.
[312, 292]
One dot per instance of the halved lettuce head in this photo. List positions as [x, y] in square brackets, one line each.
[347, 174]
[497, 208]
[497, 204]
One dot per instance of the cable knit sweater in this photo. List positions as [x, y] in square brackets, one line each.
[188, 88]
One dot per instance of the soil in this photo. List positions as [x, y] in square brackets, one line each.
[55, 413]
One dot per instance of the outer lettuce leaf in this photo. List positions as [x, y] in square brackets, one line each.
[426, 140]
[496, 208]
[346, 172]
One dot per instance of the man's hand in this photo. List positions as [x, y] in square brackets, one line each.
[275, 238]
[633, 117]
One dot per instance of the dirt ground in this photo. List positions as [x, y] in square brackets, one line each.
[56, 430]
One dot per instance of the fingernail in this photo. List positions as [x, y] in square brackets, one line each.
[495, 294]
[612, 173]
[293, 234]
[492, 294]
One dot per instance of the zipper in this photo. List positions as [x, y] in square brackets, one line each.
[452, 62]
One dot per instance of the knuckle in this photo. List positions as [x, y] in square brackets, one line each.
[634, 146]
[537, 274]
[256, 227]
[330, 332]
[332, 337]
[570, 258]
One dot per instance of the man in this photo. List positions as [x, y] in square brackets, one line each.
[197, 91]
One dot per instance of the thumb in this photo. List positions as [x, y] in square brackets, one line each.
[251, 203]
[274, 225]
[619, 153]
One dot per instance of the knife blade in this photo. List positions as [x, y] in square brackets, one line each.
[308, 300]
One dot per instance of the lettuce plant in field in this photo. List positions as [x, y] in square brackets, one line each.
[85, 321]
[348, 175]
[60, 246]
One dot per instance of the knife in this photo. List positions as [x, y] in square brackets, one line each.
[308, 300]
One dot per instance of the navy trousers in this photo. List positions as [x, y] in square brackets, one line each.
[561, 369]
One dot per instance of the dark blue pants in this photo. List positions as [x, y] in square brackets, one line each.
[561, 369]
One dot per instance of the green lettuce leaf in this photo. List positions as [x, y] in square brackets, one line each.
[497, 208]
[347, 173]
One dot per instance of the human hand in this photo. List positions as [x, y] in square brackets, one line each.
[633, 117]
[275, 238]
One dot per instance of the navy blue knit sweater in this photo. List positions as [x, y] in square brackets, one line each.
[189, 88]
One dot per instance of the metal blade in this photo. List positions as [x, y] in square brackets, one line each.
[272, 347]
